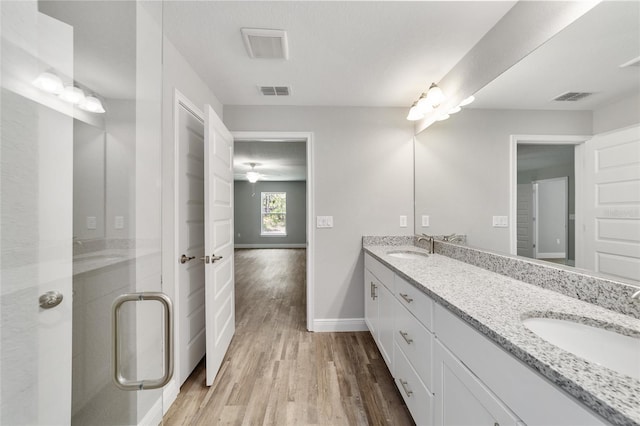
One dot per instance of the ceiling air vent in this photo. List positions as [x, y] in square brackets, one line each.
[265, 44]
[572, 96]
[275, 90]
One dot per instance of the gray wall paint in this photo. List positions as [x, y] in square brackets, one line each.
[247, 212]
[363, 177]
[462, 169]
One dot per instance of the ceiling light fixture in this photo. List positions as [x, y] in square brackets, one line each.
[442, 117]
[253, 176]
[454, 110]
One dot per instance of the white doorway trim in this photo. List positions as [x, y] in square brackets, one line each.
[308, 137]
[179, 101]
[577, 140]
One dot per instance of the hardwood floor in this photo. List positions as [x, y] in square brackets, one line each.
[277, 373]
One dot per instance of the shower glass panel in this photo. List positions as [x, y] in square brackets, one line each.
[80, 202]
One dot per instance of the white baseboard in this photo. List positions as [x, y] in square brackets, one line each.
[551, 255]
[153, 416]
[169, 395]
[267, 246]
[339, 324]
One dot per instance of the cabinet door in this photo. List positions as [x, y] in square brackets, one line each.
[371, 303]
[386, 303]
[462, 399]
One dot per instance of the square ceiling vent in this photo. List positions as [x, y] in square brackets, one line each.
[265, 44]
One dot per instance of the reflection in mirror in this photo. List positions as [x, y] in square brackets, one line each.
[580, 89]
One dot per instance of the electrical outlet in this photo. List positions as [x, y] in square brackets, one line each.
[324, 222]
[403, 221]
[91, 222]
[118, 223]
[500, 222]
[425, 221]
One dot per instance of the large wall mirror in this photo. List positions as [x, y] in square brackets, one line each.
[514, 171]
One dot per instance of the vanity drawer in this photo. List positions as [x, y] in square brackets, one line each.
[418, 303]
[416, 342]
[415, 394]
[384, 274]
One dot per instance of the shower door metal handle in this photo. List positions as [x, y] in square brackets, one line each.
[120, 381]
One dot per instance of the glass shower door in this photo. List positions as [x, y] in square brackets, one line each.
[80, 224]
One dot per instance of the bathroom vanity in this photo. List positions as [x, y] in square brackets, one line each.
[458, 340]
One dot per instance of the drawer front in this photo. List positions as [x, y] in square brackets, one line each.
[384, 274]
[416, 342]
[418, 399]
[418, 303]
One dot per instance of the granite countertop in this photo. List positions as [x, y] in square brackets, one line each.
[495, 305]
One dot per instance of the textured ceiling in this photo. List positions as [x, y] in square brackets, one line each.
[342, 53]
[585, 57]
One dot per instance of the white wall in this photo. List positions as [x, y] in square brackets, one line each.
[462, 169]
[247, 210]
[176, 74]
[617, 115]
[363, 178]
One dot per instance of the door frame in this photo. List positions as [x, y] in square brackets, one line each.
[514, 140]
[308, 137]
[536, 206]
[179, 101]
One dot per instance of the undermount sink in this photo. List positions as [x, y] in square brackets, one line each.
[610, 349]
[407, 254]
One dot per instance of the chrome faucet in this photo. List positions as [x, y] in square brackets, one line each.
[453, 238]
[429, 239]
[636, 296]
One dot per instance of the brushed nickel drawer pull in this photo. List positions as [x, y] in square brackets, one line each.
[405, 386]
[406, 297]
[374, 296]
[406, 337]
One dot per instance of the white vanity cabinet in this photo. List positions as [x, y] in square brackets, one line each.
[449, 373]
[462, 399]
[379, 306]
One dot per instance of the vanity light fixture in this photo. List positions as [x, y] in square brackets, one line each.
[435, 95]
[454, 110]
[49, 82]
[467, 101]
[92, 104]
[72, 94]
[426, 103]
[442, 117]
[415, 113]
[253, 176]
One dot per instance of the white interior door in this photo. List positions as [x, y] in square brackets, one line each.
[190, 182]
[525, 220]
[612, 204]
[218, 241]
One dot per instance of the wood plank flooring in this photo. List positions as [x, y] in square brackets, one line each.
[277, 373]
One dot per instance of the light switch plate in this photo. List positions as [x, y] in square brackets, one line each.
[324, 222]
[91, 222]
[403, 221]
[500, 222]
[118, 223]
[425, 221]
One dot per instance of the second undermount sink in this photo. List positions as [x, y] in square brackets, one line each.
[616, 351]
[408, 254]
